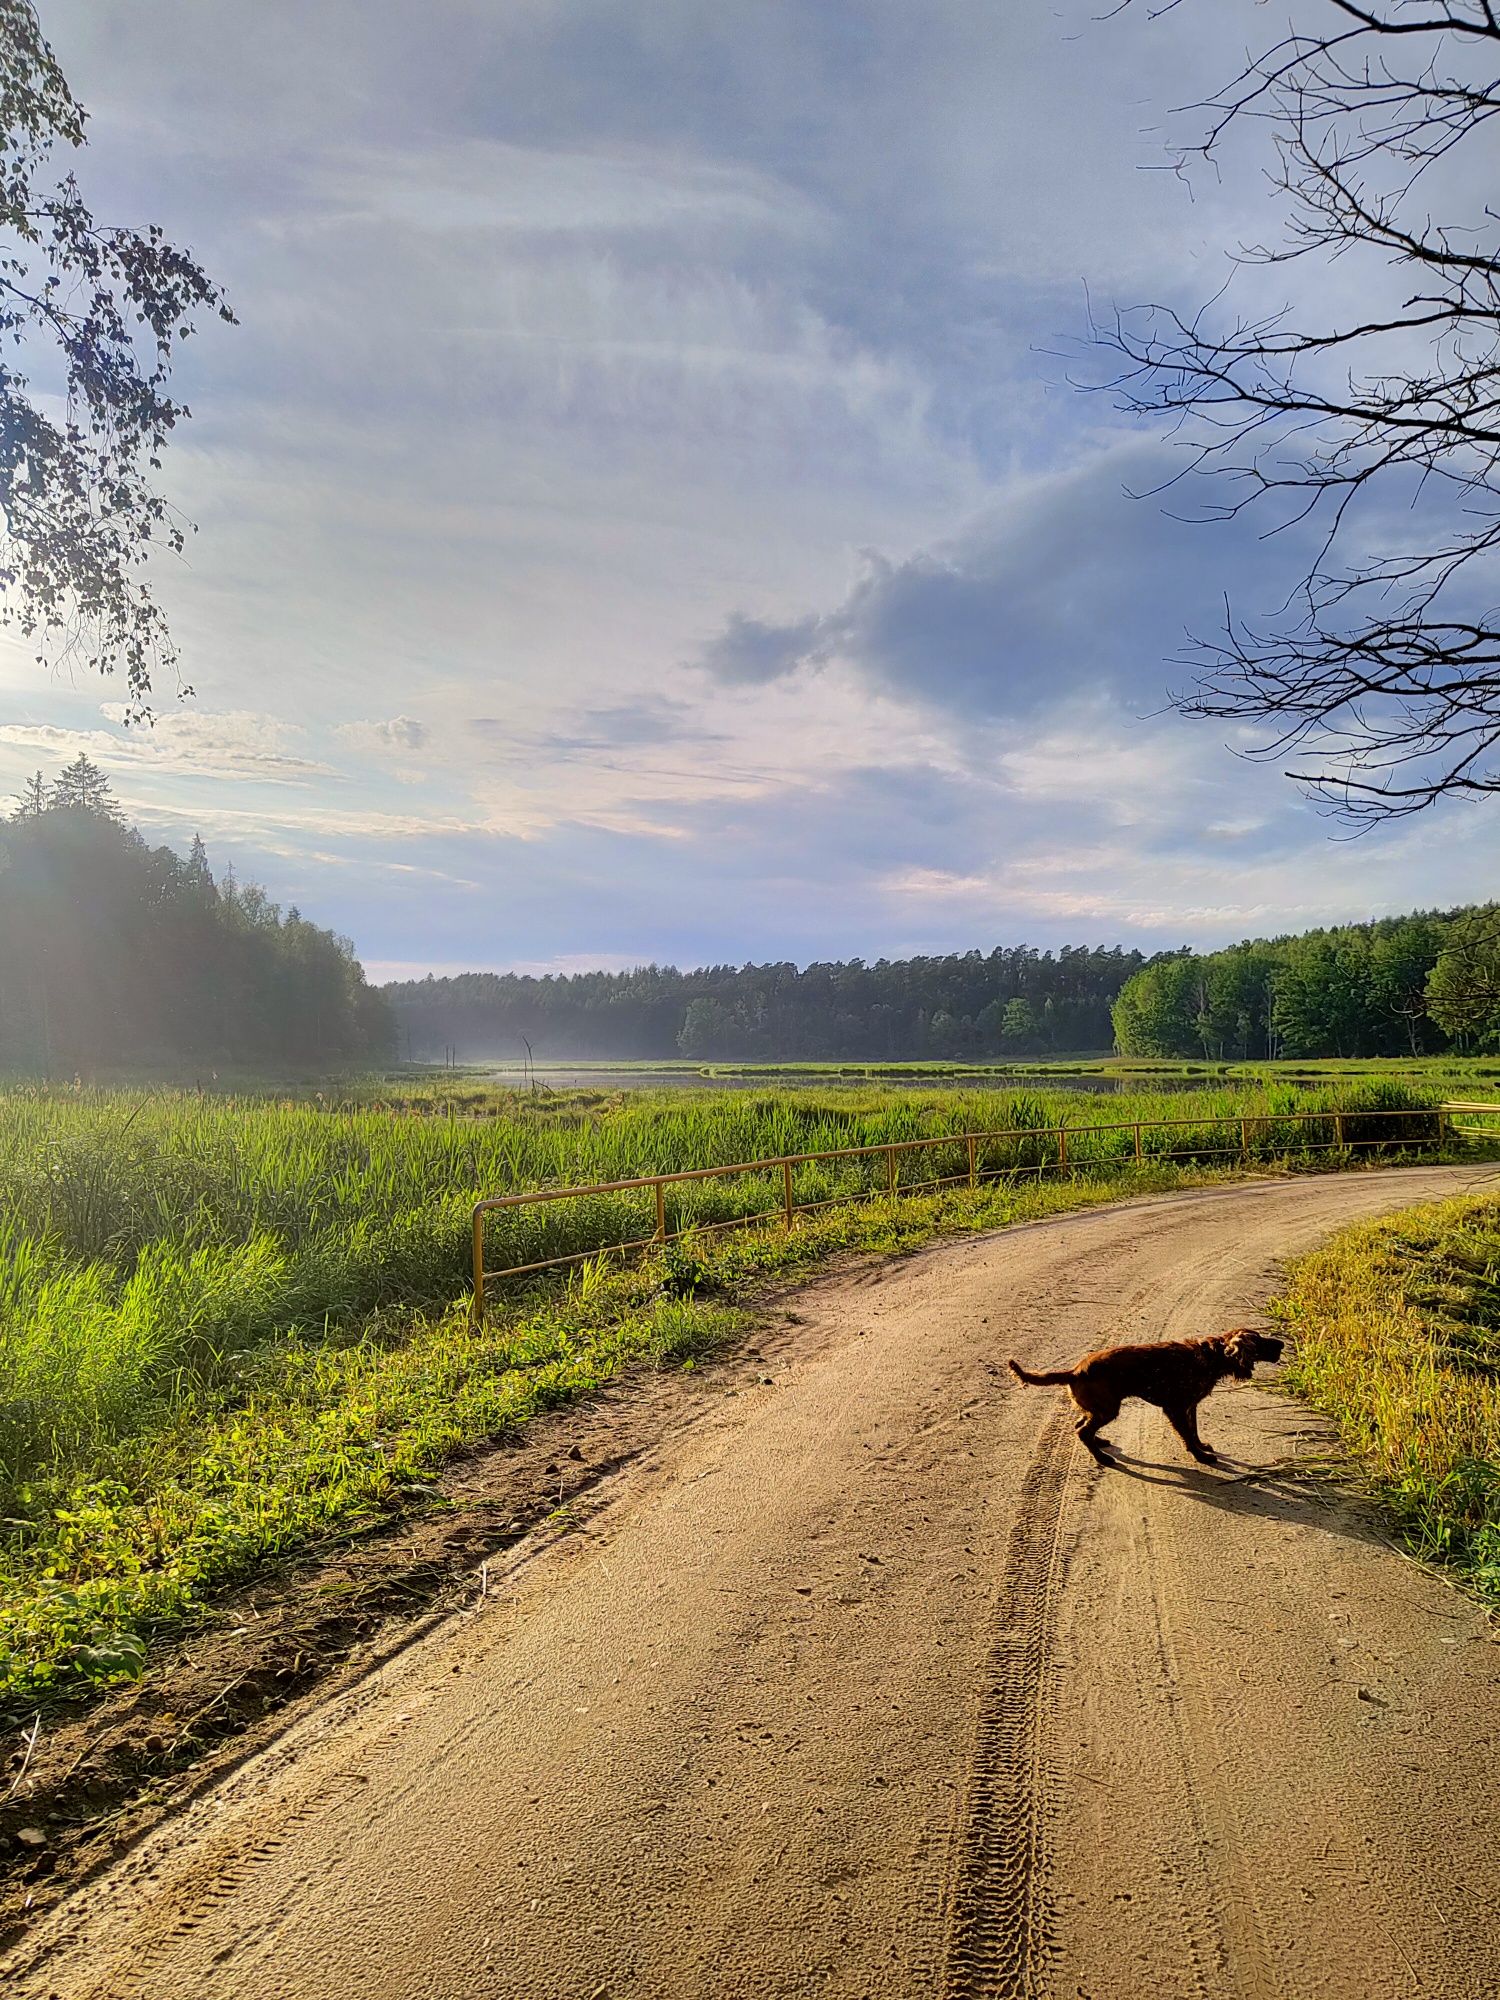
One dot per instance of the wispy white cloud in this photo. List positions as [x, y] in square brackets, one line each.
[639, 484]
[184, 741]
[351, 823]
[399, 736]
[483, 184]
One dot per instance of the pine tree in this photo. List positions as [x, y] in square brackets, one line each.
[113, 951]
[199, 874]
[82, 787]
[31, 800]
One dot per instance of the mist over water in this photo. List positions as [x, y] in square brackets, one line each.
[562, 1077]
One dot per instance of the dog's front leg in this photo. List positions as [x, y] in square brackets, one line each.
[1184, 1420]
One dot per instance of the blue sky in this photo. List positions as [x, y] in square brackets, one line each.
[643, 514]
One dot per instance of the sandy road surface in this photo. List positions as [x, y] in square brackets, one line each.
[875, 1686]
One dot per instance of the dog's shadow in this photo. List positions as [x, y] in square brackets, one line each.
[1298, 1491]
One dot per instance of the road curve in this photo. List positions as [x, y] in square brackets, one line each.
[872, 1685]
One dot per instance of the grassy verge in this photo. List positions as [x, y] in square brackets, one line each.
[1398, 1339]
[313, 1431]
[153, 1249]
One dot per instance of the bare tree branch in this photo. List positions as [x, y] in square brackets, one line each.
[1382, 674]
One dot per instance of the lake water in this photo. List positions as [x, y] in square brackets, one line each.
[560, 1077]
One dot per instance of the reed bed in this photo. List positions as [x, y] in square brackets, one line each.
[197, 1293]
[149, 1243]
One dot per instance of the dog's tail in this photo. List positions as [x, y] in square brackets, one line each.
[1057, 1375]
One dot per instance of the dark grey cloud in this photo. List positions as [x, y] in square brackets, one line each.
[625, 725]
[751, 650]
[628, 725]
[1072, 583]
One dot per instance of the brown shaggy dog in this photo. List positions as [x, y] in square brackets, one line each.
[1174, 1374]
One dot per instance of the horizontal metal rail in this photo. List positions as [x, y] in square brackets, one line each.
[1054, 1138]
[1464, 1109]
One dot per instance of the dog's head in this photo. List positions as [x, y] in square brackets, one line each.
[1244, 1347]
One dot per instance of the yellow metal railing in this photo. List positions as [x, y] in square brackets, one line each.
[1053, 1157]
[1458, 1108]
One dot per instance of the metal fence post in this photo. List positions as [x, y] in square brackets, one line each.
[786, 1189]
[973, 1162]
[661, 1213]
[1138, 1142]
[1062, 1149]
[478, 1308]
[890, 1170]
[1244, 1138]
[1338, 1130]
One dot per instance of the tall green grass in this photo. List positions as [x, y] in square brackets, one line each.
[316, 1433]
[224, 1323]
[150, 1244]
[1397, 1324]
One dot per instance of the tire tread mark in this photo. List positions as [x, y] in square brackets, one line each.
[202, 1894]
[1000, 1919]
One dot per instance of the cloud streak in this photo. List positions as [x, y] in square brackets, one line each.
[237, 744]
[641, 485]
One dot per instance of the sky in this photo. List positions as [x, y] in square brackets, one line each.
[647, 510]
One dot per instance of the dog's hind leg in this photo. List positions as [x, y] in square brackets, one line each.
[1183, 1417]
[1091, 1422]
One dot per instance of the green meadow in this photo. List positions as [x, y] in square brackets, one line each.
[229, 1323]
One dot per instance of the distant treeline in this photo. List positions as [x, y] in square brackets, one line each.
[1008, 1002]
[115, 952]
[1416, 985]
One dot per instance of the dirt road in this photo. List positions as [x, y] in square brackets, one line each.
[876, 1686]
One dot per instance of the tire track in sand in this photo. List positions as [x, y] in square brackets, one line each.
[1000, 1916]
